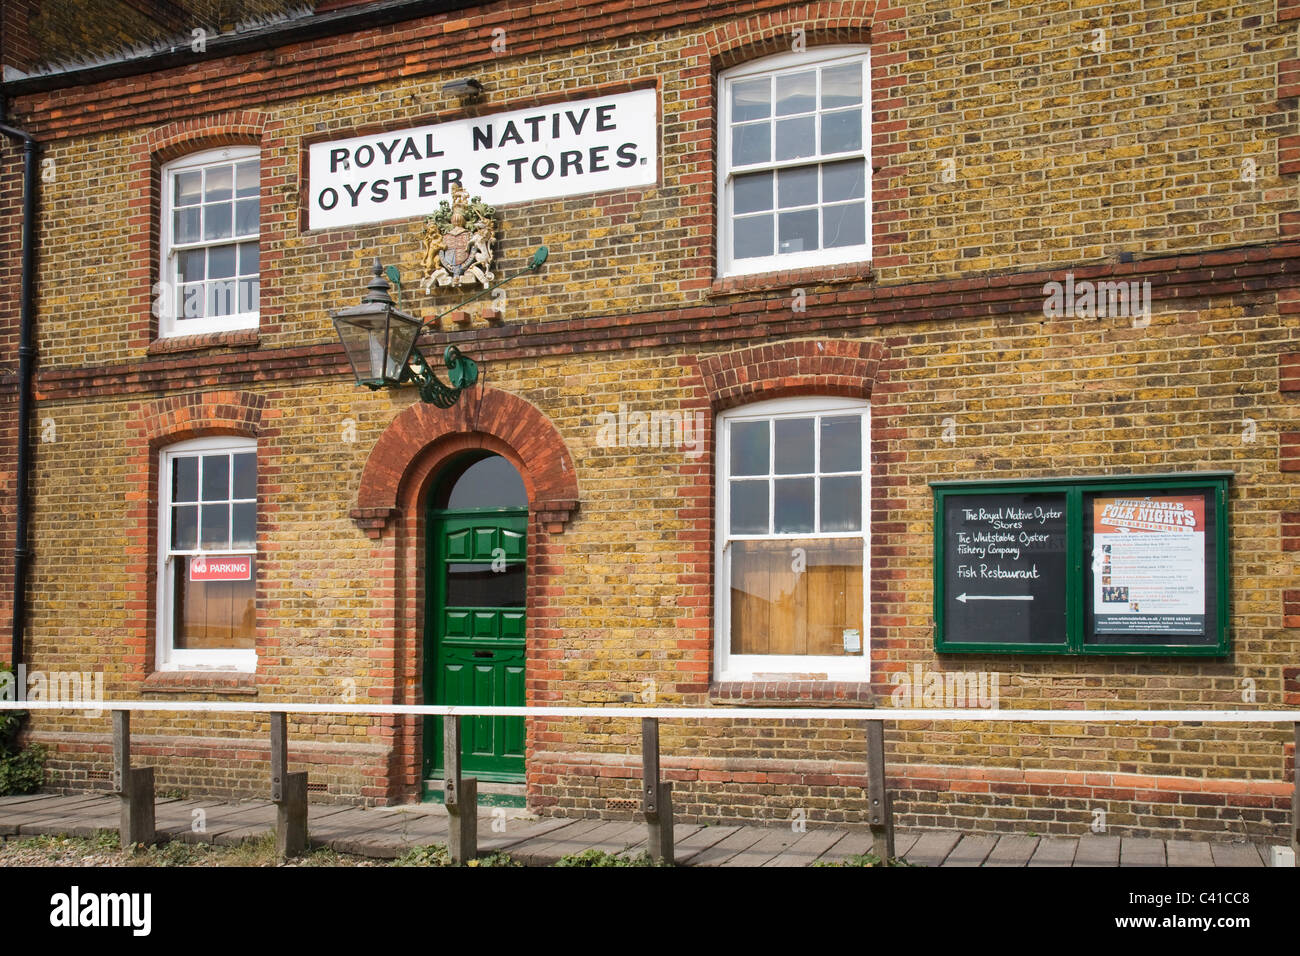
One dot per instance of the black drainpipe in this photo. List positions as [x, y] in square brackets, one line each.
[26, 355]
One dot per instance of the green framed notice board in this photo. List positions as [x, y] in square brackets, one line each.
[1095, 565]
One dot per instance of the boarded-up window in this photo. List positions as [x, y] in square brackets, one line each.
[784, 602]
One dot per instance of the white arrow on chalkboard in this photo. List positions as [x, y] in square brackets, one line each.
[994, 597]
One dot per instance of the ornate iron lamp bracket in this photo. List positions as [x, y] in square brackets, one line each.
[462, 372]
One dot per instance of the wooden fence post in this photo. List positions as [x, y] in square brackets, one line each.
[133, 786]
[880, 811]
[460, 796]
[656, 796]
[288, 792]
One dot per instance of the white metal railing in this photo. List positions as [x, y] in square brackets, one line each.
[683, 713]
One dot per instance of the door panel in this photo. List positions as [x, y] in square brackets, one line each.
[474, 637]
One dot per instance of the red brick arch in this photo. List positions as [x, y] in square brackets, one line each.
[242, 128]
[809, 367]
[424, 436]
[181, 417]
[824, 23]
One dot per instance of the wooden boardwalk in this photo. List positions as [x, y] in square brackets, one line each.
[387, 833]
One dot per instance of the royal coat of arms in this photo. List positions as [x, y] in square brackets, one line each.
[458, 242]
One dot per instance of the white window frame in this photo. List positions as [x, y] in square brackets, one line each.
[789, 63]
[744, 667]
[168, 657]
[171, 305]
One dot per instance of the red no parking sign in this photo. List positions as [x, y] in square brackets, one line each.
[225, 568]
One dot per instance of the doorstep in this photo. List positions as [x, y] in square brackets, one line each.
[490, 794]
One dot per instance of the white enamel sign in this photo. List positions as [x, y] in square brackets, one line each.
[565, 149]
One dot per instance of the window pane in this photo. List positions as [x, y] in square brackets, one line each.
[185, 479]
[796, 93]
[248, 292]
[216, 477]
[749, 507]
[214, 532]
[491, 482]
[248, 258]
[798, 231]
[216, 221]
[752, 193]
[749, 448]
[842, 443]
[244, 526]
[221, 262]
[185, 527]
[751, 144]
[811, 606]
[246, 178]
[246, 217]
[222, 298]
[846, 180]
[844, 225]
[750, 100]
[186, 225]
[477, 585]
[842, 504]
[192, 301]
[795, 138]
[218, 183]
[192, 265]
[841, 86]
[841, 131]
[794, 446]
[245, 476]
[212, 614]
[187, 187]
[753, 237]
[797, 187]
[793, 505]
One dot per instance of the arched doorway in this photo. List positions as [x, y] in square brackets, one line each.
[474, 618]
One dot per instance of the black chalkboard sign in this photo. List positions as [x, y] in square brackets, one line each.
[1003, 560]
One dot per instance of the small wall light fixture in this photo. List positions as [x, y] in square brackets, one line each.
[379, 339]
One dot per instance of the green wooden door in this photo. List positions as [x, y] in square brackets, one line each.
[474, 636]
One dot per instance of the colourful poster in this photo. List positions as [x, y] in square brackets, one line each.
[1148, 565]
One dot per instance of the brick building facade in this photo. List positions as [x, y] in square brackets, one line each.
[1006, 147]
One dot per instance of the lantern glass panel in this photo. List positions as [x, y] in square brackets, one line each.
[401, 339]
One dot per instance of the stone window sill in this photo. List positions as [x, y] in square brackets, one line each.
[200, 682]
[790, 278]
[204, 340]
[813, 693]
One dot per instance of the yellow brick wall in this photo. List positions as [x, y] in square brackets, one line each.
[1062, 156]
